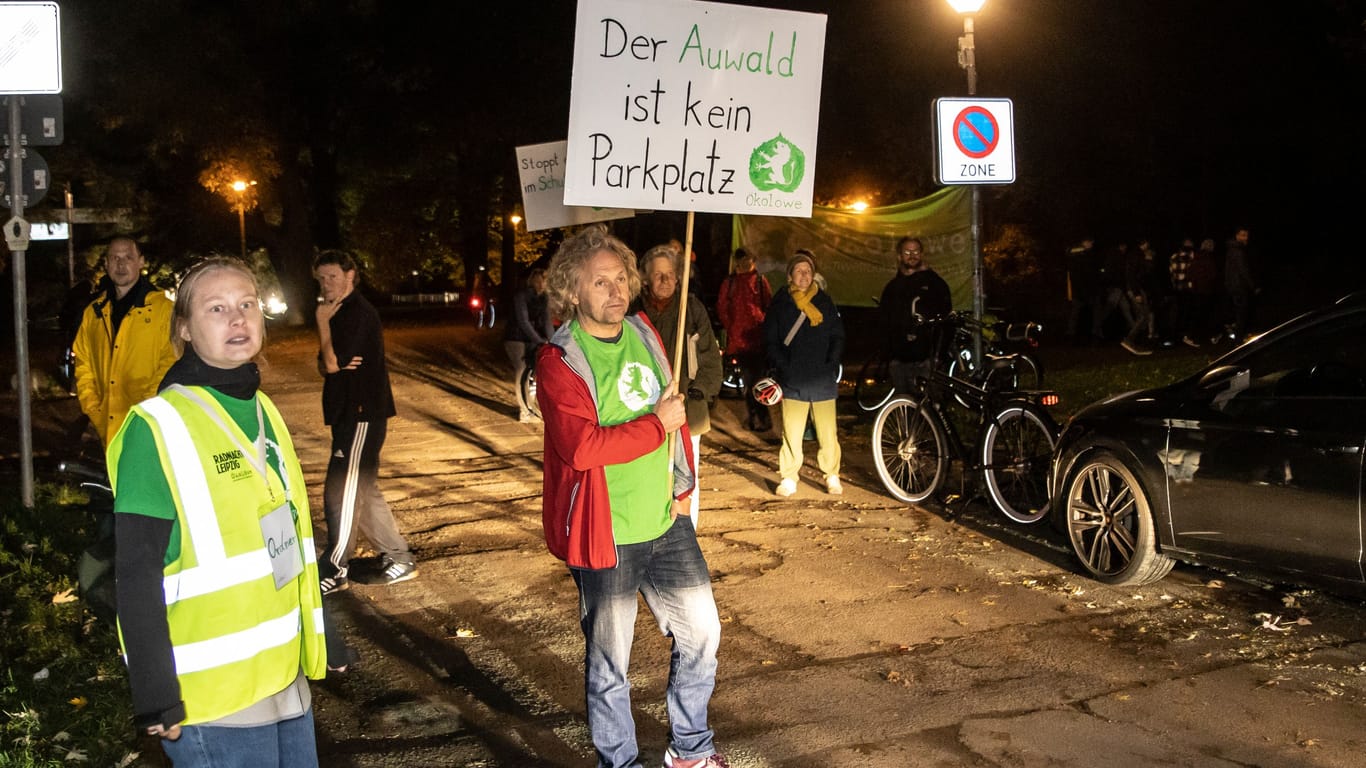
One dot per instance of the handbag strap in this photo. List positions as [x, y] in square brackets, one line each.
[801, 318]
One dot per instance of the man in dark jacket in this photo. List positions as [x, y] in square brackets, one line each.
[915, 295]
[357, 404]
[1083, 287]
[1239, 285]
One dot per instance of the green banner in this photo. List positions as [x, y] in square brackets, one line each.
[856, 251]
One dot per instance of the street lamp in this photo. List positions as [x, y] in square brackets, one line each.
[967, 53]
[967, 59]
[240, 187]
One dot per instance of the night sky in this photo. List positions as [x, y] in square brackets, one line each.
[1134, 118]
[1155, 118]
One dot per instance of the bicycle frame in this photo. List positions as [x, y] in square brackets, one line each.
[916, 439]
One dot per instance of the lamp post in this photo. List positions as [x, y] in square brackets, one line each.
[240, 187]
[967, 59]
[509, 257]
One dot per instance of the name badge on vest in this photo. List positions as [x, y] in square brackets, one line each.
[282, 544]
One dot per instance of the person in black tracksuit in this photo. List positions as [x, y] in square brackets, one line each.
[357, 404]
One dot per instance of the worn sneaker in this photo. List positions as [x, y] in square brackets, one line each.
[331, 585]
[714, 760]
[1188, 341]
[833, 486]
[786, 488]
[396, 572]
[1134, 349]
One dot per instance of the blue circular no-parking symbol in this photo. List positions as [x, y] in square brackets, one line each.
[975, 132]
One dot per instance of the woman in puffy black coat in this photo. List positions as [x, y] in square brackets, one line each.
[804, 340]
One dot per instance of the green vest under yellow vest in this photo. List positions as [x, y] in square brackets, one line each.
[236, 638]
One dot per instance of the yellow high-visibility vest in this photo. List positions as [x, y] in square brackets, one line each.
[236, 638]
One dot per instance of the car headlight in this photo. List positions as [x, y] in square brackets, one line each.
[275, 306]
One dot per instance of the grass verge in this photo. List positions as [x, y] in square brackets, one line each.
[63, 689]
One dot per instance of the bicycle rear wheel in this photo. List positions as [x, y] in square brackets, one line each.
[874, 386]
[910, 450]
[1017, 447]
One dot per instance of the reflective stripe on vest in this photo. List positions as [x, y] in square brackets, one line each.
[215, 570]
[207, 654]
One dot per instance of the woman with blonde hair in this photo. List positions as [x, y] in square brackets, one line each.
[219, 609]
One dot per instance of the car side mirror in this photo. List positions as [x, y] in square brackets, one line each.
[1225, 383]
[1218, 378]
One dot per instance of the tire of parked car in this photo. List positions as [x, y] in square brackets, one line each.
[1110, 523]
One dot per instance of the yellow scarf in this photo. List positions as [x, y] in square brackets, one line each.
[803, 301]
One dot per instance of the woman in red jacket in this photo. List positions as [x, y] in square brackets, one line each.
[740, 307]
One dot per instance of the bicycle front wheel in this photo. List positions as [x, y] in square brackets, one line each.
[527, 383]
[1017, 448]
[910, 450]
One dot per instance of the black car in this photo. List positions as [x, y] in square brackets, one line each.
[1255, 463]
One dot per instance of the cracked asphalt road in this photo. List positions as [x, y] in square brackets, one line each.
[858, 632]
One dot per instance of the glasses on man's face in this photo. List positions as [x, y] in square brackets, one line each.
[909, 251]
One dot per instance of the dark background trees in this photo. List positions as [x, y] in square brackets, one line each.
[389, 127]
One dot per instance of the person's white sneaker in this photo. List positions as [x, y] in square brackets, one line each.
[786, 488]
[833, 486]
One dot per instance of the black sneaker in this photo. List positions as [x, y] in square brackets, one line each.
[395, 572]
[334, 584]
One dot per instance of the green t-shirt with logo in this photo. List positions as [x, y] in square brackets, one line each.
[629, 384]
[149, 493]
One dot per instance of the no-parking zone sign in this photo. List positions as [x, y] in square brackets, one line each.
[974, 141]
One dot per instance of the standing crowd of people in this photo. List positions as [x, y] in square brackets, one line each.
[1195, 296]
[223, 591]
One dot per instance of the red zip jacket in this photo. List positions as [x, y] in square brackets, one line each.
[576, 510]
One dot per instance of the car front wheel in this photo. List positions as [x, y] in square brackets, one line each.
[1110, 523]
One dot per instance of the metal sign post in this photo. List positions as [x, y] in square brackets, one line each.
[16, 234]
[30, 63]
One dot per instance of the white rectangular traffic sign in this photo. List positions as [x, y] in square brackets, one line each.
[974, 141]
[30, 48]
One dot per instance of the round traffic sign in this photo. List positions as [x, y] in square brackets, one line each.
[975, 132]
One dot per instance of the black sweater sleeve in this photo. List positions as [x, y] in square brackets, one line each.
[140, 548]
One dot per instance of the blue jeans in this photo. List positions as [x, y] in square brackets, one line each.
[670, 573]
[286, 744]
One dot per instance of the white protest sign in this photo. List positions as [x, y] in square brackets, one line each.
[541, 169]
[693, 106]
[30, 48]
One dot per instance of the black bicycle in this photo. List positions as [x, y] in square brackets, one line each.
[916, 436]
[1009, 362]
